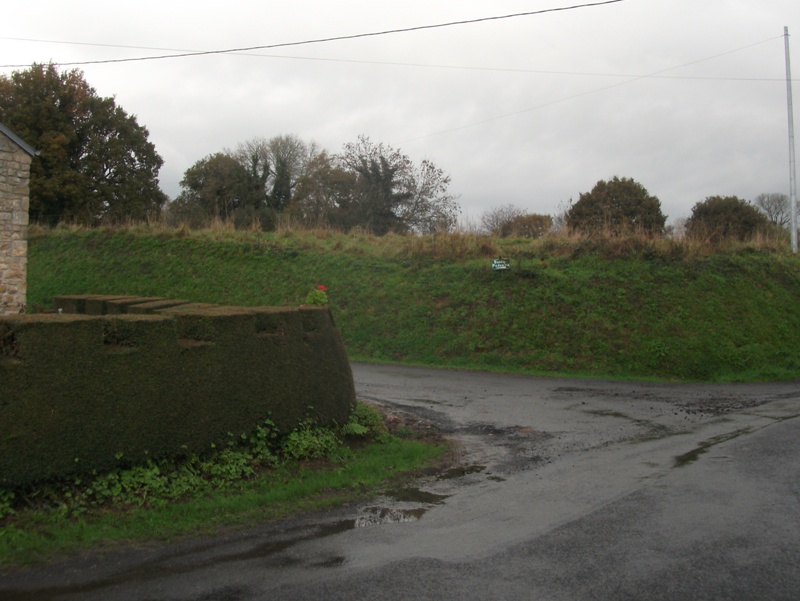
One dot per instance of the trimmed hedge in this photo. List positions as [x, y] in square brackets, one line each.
[135, 378]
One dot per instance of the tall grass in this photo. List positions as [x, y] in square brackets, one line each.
[461, 244]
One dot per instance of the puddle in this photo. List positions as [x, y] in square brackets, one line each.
[380, 515]
[703, 447]
[377, 516]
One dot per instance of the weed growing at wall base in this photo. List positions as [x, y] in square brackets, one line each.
[257, 477]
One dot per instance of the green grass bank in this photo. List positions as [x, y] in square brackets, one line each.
[625, 308]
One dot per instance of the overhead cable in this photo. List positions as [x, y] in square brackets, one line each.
[404, 64]
[330, 39]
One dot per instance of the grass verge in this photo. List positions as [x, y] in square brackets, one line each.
[37, 532]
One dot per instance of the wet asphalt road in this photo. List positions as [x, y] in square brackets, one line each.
[561, 489]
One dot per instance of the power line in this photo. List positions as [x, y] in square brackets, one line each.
[182, 54]
[402, 64]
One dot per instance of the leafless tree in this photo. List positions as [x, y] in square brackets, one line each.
[775, 206]
[494, 219]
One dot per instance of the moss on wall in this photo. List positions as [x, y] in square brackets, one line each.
[82, 392]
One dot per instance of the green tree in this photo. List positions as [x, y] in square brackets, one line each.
[619, 205]
[324, 193]
[721, 217]
[95, 163]
[216, 186]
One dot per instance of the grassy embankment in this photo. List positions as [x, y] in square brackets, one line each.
[628, 308]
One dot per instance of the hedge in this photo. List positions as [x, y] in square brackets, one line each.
[113, 381]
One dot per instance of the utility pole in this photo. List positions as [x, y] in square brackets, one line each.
[792, 171]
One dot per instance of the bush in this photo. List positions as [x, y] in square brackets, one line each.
[725, 217]
[616, 206]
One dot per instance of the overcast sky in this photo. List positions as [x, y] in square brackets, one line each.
[688, 97]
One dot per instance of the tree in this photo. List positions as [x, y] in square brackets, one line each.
[377, 195]
[430, 207]
[290, 156]
[720, 217]
[95, 163]
[276, 165]
[324, 193]
[775, 207]
[391, 193]
[216, 186]
[617, 206]
[282, 185]
[254, 156]
[493, 220]
[368, 185]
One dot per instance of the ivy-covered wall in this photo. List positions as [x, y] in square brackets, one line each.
[115, 380]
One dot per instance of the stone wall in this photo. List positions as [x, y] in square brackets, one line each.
[15, 164]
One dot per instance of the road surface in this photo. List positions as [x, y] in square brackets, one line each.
[560, 490]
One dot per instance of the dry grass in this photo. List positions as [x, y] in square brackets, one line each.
[458, 246]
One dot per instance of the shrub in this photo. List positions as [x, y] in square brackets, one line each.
[725, 217]
[616, 206]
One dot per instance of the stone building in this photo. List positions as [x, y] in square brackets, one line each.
[15, 168]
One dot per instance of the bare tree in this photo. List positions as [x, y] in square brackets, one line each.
[494, 219]
[677, 229]
[775, 206]
[560, 218]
